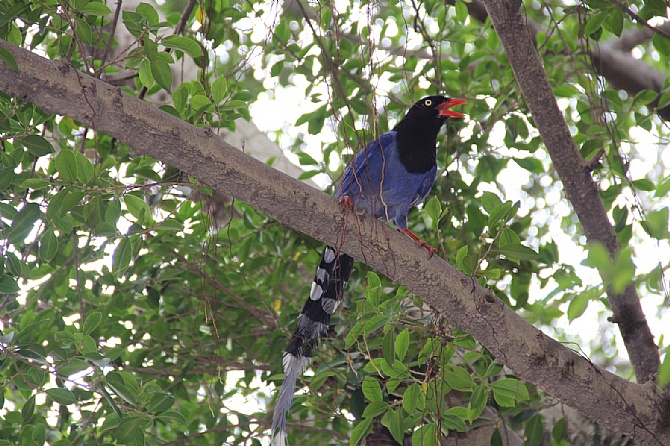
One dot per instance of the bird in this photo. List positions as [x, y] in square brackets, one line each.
[391, 175]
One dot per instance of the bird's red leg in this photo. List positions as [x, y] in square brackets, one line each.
[346, 203]
[411, 235]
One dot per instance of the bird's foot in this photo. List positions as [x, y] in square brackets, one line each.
[346, 202]
[411, 235]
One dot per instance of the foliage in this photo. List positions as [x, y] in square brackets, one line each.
[132, 313]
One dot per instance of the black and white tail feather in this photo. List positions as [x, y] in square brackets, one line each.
[329, 282]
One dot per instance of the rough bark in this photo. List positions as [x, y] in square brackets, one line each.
[633, 409]
[579, 186]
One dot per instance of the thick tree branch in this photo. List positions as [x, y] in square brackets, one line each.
[577, 181]
[623, 406]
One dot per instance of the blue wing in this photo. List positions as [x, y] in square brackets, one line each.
[377, 183]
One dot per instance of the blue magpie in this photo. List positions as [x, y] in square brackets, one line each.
[392, 174]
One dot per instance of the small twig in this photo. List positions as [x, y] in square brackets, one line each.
[184, 17]
[75, 257]
[112, 33]
[640, 20]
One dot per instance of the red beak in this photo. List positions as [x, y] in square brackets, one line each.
[446, 105]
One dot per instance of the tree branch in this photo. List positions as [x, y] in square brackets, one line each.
[579, 186]
[607, 399]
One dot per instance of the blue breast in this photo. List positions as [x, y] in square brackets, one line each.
[377, 183]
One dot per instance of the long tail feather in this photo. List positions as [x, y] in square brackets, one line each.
[329, 282]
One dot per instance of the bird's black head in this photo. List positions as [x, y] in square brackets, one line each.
[417, 131]
[435, 107]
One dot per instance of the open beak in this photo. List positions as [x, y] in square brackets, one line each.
[446, 105]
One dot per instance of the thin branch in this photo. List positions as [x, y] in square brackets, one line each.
[112, 34]
[75, 257]
[639, 19]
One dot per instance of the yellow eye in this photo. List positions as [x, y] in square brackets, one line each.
[428, 102]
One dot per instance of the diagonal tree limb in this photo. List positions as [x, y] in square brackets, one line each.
[632, 409]
[579, 186]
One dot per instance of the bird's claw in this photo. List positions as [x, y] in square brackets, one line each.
[431, 250]
[346, 202]
[423, 244]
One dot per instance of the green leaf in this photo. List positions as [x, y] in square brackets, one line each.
[656, 224]
[387, 348]
[566, 91]
[148, 12]
[402, 344]
[61, 396]
[595, 22]
[518, 252]
[200, 103]
[375, 322]
[162, 73]
[68, 368]
[500, 214]
[490, 201]
[375, 409]
[508, 237]
[186, 44]
[393, 421]
[8, 59]
[361, 431]
[84, 32]
[664, 101]
[92, 322]
[372, 390]
[425, 435]
[23, 223]
[507, 391]
[170, 224]
[662, 45]
[97, 9]
[532, 165]
[234, 105]
[577, 306]
[458, 378]
[434, 210]
[144, 72]
[616, 21]
[460, 255]
[373, 292]
[461, 11]
[122, 256]
[85, 168]
[180, 97]
[6, 177]
[645, 97]
[28, 409]
[8, 285]
[48, 245]
[37, 145]
[137, 207]
[664, 370]
[66, 165]
[477, 404]
[129, 430]
[413, 399]
[171, 417]
[219, 89]
[560, 430]
[534, 431]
